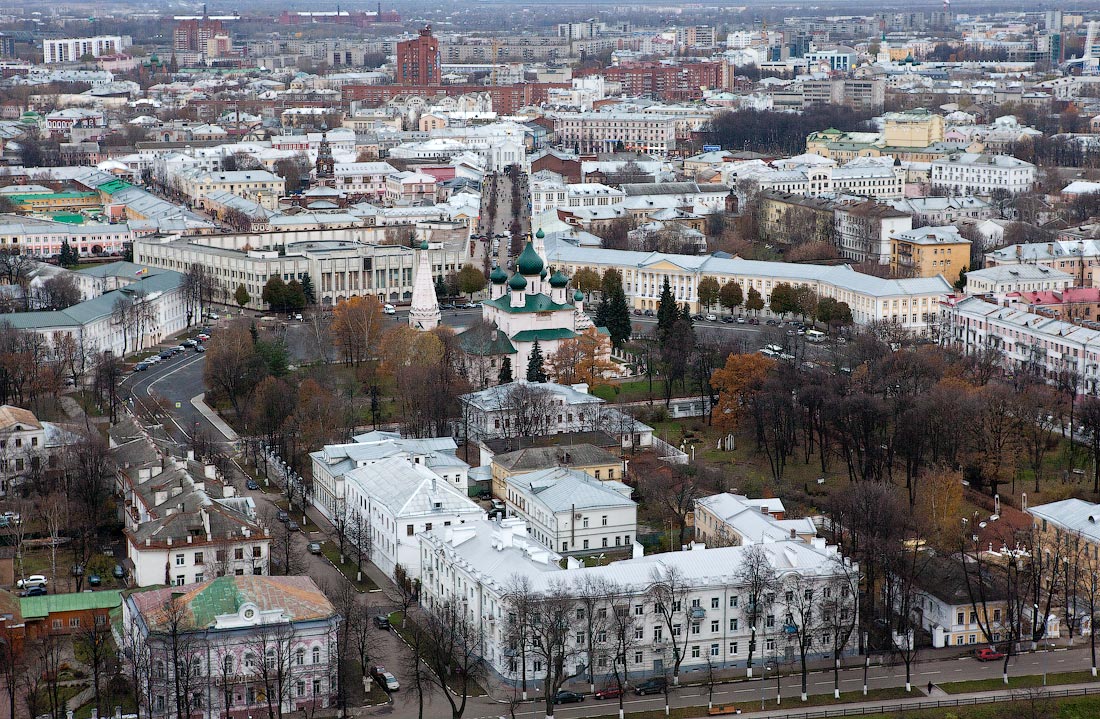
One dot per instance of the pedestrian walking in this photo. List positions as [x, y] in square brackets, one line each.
[929, 688]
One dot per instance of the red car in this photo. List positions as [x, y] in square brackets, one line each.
[988, 655]
[609, 692]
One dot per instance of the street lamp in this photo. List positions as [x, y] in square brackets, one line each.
[1035, 620]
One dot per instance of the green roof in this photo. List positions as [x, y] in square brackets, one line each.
[529, 262]
[53, 196]
[532, 303]
[560, 333]
[71, 218]
[480, 344]
[113, 186]
[221, 596]
[42, 607]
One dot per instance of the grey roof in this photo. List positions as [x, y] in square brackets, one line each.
[1009, 273]
[495, 398]
[573, 455]
[407, 489]
[1074, 515]
[560, 489]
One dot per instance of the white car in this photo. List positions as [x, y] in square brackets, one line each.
[35, 580]
[711, 318]
[388, 682]
[389, 309]
[152, 360]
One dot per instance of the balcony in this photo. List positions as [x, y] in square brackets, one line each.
[697, 613]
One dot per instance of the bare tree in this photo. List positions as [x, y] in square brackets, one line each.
[519, 597]
[96, 650]
[669, 591]
[838, 614]
[1089, 592]
[553, 612]
[758, 577]
[621, 625]
[272, 648]
[592, 598]
[453, 649]
[801, 624]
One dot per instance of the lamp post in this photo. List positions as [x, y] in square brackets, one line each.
[1035, 620]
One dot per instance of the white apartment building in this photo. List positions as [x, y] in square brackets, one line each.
[363, 178]
[42, 238]
[333, 461]
[28, 444]
[865, 179]
[410, 188]
[547, 194]
[341, 140]
[398, 499]
[476, 563]
[71, 49]
[604, 131]
[973, 325]
[911, 303]
[982, 174]
[1016, 278]
[261, 185]
[863, 230]
[571, 513]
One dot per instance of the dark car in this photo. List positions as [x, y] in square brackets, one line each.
[648, 313]
[251, 484]
[200, 349]
[381, 621]
[119, 572]
[567, 697]
[728, 319]
[94, 580]
[292, 525]
[656, 685]
[638, 312]
[141, 367]
[282, 516]
[608, 693]
[34, 592]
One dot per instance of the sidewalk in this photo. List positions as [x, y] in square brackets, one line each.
[212, 417]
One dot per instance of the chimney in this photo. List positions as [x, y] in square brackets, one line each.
[794, 534]
[763, 509]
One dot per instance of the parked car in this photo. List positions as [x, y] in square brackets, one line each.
[648, 313]
[12, 517]
[119, 572]
[388, 681]
[988, 654]
[292, 525]
[298, 316]
[638, 312]
[497, 504]
[199, 349]
[282, 516]
[389, 309]
[741, 320]
[188, 343]
[712, 318]
[609, 692]
[656, 685]
[447, 306]
[202, 337]
[35, 580]
[252, 485]
[94, 580]
[381, 621]
[377, 670]
[729, 319]
[141, 366]
[155, 359]
[34, 592]
[568, 697]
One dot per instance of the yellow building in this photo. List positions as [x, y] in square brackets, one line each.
[912, 129]
[55, 201]
[928, 252]
[592, 460]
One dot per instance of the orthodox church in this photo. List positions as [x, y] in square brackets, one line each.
[533, 305]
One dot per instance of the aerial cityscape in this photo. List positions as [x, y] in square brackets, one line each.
[522, 360]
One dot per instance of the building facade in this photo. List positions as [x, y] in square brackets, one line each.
[418, 60]
[982, 174]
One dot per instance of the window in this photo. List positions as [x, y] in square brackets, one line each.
[639, 610]
[714, 650]
[198, 558]
[637, 657]
[57, 624]
[603, 520]
[301, 688]
[316, 686]
[601, 636]
[769, 645]
[959, 618]
[733, 602]
[408, 530]
[199, 577]
[714, 602]
[584, 522]
[695, 651]
[973, 617]
[179, 560]
[586, 544]
[178, 581]
[714, 625]
[300, 656]
[639, 632]
[996, 615]
[317, 655]
[227, 664]
[238, 553]
[695, 627]
[733, 647]
[250, 660]
[658, 634]
[257, 552]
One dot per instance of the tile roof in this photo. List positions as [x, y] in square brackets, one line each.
[298, 598]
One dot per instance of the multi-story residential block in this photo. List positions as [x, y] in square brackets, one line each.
[928, 252]
[66, 122]
[237, 646]
[572, 513]
[1072, 304]
[418, 60]
[1001, 279]
[264, 186]
[672, 83]
[73, 49]
[1077, 257]
[783, 216]
[194, 33]
[730, 520]
[1046, 345]
[363, 178]
[839, 59]
[980, 174]
[863, 230]
[948, 611]
[333, 461]
[183, 524]
[940, 211]
[475, 564]
[909, 303]
[863, 177]
[608, 131]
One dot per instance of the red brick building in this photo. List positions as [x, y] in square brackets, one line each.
[418, 60]
[193, 34]
[666, 82]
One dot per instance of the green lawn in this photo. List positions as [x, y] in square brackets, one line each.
[791, 703]
[634, 391]
[1022, 682]
[348, 569]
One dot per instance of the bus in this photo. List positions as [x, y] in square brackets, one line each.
[815, 336]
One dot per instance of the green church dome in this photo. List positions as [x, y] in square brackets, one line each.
[578, 296]
[540, 234]
[498, 276]
[517, 282]
[529, 261]
[424, 245]
[559, 280]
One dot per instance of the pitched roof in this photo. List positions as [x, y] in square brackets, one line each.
[532, 303]
[574, 455]
[297, 597]
[561, 489]
[10, 415]
[408, 489]
[42, 607]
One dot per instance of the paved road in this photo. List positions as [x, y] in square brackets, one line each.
[174, 381]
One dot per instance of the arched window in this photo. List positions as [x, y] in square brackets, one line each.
[250, 660]
[269, 659]
[227, 664]
[300, 656]
[317, 655]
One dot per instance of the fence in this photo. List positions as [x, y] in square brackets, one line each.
[864, 709]
[667, 453]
